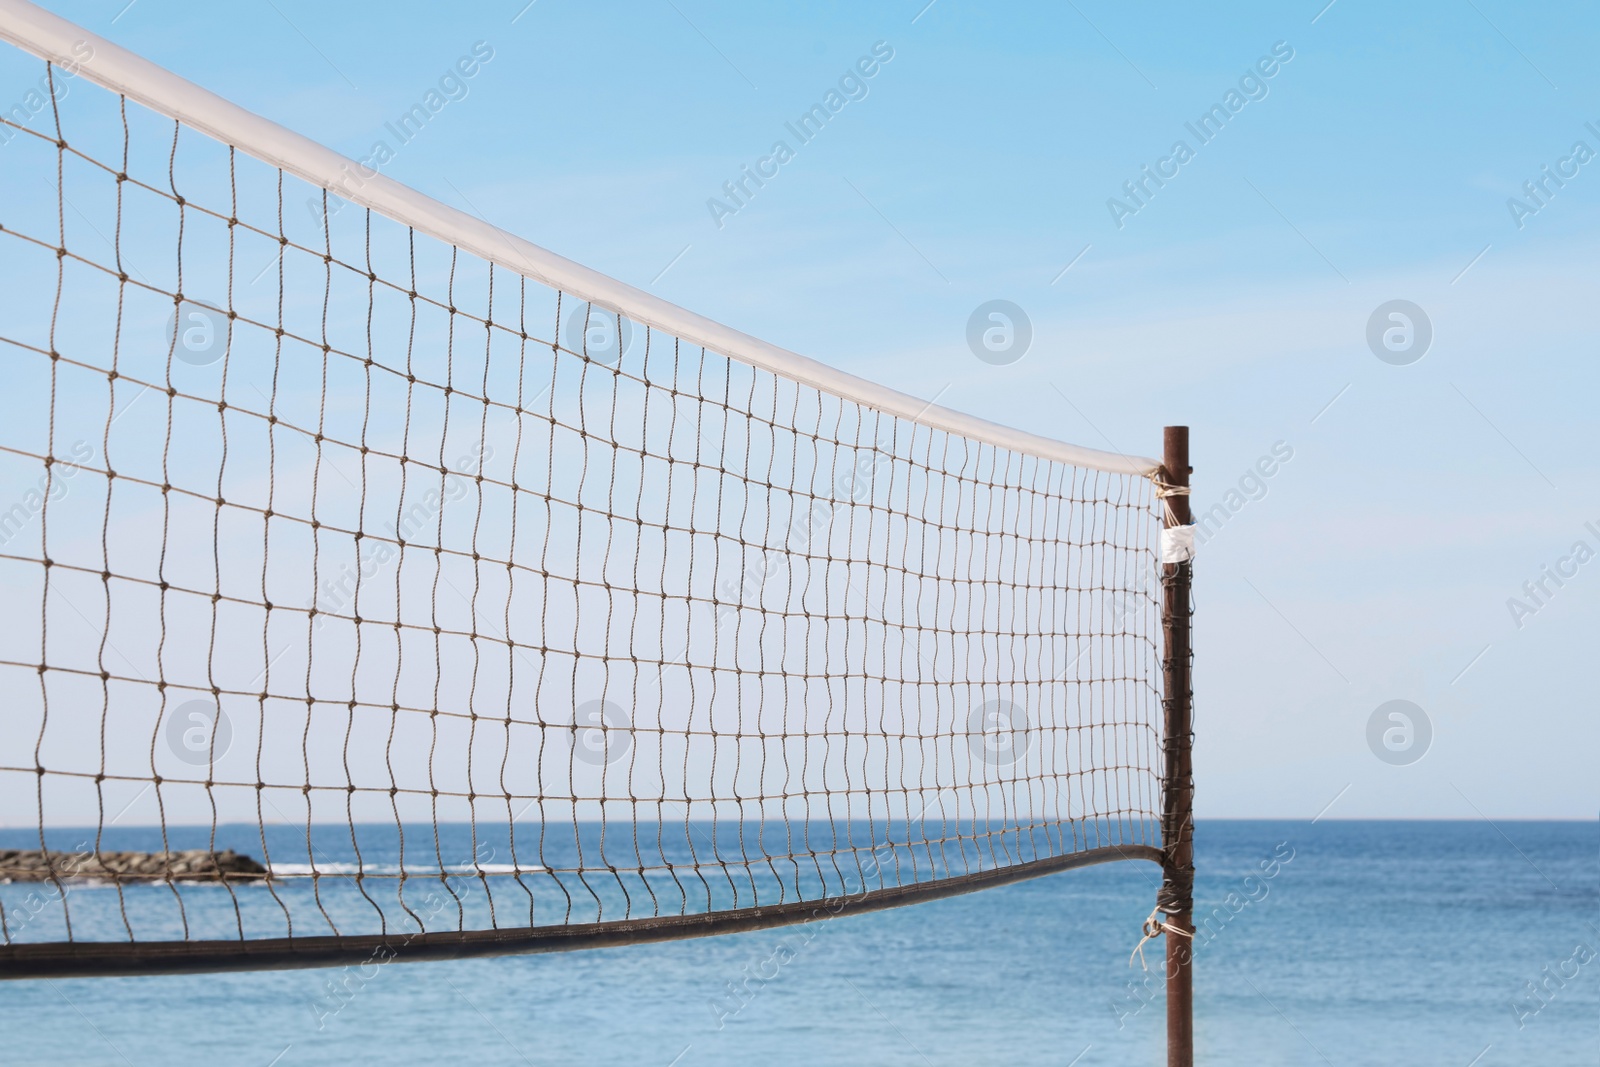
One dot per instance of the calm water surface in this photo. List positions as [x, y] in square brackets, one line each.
[1375, 943]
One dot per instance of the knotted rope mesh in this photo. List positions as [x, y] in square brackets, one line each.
[462, 605]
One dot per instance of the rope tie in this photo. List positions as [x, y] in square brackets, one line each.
[1166, 490]
[1152, 929]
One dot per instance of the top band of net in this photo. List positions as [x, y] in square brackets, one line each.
[490, 603]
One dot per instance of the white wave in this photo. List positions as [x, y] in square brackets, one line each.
[339, 870]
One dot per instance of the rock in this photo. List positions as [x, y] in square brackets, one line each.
[33, 865]
[233, 865]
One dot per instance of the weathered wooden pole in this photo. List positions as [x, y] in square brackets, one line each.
[1177, 816]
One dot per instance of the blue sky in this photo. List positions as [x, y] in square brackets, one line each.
[1377, 166]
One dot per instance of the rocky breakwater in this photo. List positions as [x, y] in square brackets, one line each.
[192, 865]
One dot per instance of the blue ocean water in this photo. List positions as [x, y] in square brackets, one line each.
[1328, 943]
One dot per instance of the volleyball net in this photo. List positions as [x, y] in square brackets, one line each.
[380, 582]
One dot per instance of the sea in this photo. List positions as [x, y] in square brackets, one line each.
[1465, 944]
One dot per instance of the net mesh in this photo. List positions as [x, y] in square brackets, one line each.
[462, 605]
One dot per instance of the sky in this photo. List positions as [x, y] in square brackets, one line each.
[1384, 158]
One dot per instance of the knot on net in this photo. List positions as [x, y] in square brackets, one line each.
[1153, 927]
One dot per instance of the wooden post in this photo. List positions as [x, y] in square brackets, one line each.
[1177, 815]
